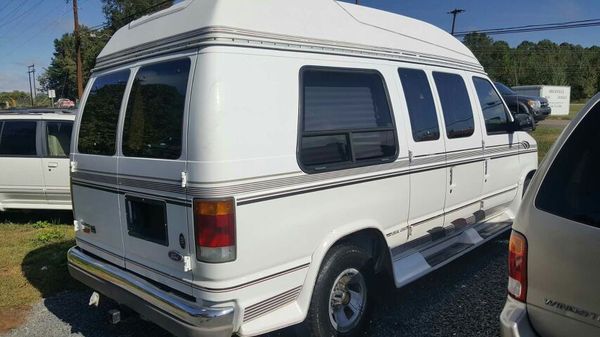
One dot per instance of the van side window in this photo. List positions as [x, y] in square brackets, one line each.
[419, 101]
[458, 113]
[154, 118]
[571, 188]
[494, 112]
[58, 139]
[97, 133]
[346, 120]
[17, 138]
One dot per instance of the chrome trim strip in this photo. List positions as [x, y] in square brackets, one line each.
[184, 310]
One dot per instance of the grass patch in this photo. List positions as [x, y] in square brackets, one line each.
[33, 264]
[573, 110]
[545, 138]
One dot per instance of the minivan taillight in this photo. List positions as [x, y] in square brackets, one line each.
[214, 223]
[517, 266]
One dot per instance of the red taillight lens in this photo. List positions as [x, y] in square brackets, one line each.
[214, 222]
[517, 266]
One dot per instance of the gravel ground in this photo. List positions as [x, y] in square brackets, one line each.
[463, 298]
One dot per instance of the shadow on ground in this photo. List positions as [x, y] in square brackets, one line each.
[32, 216]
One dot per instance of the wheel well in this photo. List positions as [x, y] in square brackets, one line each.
[530, 175]
[372, 242]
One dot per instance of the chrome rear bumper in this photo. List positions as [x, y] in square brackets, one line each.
[175, 314]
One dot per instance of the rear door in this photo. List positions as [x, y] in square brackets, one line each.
[21, 177]
[428, 173]
[56, 143]
[464, 172]
[153, 158]
[563, 238]
[502, 170]
[94, 177]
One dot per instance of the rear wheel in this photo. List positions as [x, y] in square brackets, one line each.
[340, 300]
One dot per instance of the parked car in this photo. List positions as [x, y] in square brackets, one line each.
[34, 159]
[238, 172]
[553, 258]
[537, 107]
[65, 103]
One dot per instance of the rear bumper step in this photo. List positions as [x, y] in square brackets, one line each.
[178, 316]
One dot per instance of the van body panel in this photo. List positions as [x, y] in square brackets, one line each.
[242, 120]
[464, 171]
[151, 183]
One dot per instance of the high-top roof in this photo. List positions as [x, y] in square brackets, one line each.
[317, 23]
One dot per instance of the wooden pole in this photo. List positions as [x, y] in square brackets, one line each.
[78, 51]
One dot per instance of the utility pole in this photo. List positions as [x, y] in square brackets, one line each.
[78, 51]
[30, 70]
[454, 13]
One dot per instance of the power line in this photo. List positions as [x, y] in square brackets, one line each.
[534, 28]
[132, 15]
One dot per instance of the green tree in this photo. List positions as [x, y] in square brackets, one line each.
[61, 74]
[120, 12]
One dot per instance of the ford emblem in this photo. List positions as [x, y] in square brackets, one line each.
[175, 256]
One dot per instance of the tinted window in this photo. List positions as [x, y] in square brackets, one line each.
[347, 120]
[494, 113]
[154, 119]
[98, 128]
[17, 138]
[458, 113]
[571, 188]
[504, 90]
[421, 109]
[58, 138]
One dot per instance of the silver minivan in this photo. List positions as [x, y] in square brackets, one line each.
[554, 249]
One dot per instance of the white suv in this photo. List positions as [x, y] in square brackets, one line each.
[34, 159]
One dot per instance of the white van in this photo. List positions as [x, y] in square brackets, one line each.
[242, 166]
[34, 159]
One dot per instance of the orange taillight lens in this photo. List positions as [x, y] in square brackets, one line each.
[214, 224]
[517, 266]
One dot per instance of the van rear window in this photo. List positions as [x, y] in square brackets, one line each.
[154, 118]
[98, 130]
[346, 120]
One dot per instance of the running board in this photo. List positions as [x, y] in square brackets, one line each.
[441, 246]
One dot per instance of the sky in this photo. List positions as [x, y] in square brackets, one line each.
[29, 27]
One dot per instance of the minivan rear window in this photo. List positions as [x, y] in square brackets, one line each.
[456, 106]
[98, 130]
[571, 188]
[346, 120]
[18, 138]
[154, 118]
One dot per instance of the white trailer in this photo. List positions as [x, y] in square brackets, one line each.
[559, 97]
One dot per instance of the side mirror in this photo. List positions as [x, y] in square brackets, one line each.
[522, 122]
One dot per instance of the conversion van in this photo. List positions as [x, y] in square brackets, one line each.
[34, 159]
[242, 166]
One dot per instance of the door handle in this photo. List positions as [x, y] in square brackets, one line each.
[451, 177]
[52, 164]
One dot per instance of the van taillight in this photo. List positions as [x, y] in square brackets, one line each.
[517, 266]
[214, 223]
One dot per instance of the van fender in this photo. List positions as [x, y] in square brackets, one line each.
[318, 255]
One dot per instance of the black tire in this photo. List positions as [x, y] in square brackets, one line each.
[339, 260]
